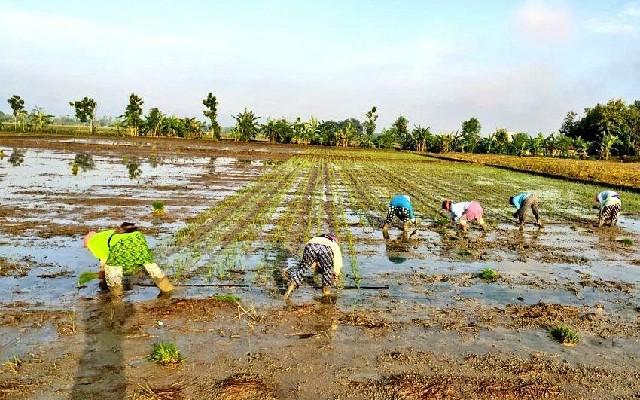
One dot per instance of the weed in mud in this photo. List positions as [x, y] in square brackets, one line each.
[14, 363]
[74, 169]
[489, 274]
[625, 241]
[226, 298]
[158, 207]
[169, 393]
[565, 335]
[165, 353]
[87, 276]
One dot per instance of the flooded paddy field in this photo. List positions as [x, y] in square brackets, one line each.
[412, 318]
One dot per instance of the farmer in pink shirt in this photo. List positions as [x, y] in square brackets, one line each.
[465, 212]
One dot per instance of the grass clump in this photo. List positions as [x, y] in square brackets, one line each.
[625, 241]
[565, 335]
[87, 276]
[226, 298]
[165, 353]
[158, 207]
[489, 274]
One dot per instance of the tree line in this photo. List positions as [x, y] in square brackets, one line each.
[604, 130]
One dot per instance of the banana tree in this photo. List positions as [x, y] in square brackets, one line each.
[608, 140]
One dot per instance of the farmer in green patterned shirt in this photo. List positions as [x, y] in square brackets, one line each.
[126, 252]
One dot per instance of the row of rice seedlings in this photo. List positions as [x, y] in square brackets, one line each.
[205, 234]
[341, 225]
[294, 214]
[250, 222]
[355, 198]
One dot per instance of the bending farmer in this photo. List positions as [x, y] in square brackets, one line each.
[400, 206]
[323, 254]
[96, 243]
[522, 203]
[465, 212]
[127, 253]
[610, 206]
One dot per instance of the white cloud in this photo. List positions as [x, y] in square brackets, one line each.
[624, 22]
[540, 20]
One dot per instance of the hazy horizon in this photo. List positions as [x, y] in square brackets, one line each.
[521, 65]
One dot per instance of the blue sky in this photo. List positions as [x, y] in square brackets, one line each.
[521, 65]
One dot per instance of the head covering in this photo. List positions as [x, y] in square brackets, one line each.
[128, 227]
[85, 239]
[331, 236]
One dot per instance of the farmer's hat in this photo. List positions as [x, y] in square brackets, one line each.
[86, 238]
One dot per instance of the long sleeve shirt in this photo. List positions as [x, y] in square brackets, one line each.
[402, 200]
[98, 246]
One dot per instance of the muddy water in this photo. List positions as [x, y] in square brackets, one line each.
[51, 201]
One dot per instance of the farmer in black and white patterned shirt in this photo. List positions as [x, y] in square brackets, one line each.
[323, 254]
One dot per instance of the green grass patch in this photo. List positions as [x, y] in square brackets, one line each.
[625, 241]
[165, 353]
[565, 335]
[226, 298]
[489, 274]
[87, 276]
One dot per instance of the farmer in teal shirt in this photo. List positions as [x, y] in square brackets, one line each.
[522, 203]
[400, 206]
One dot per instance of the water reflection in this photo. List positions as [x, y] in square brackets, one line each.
[211, 167]
[154, 161]
[17, 157]
[84, 161]
[396, 247]
[133, 166]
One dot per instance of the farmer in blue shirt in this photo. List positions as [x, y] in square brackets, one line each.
[400, 206]
[522, 203]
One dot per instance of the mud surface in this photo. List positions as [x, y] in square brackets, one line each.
[413, 319]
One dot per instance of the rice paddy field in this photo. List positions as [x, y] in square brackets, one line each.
[546, 312]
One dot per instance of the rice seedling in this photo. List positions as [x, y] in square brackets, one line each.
[489, 274]
[226, 298]
[158, 207]
[165, 353]
[14, 363]
[565, 335]
[74, 169]
[87, 276]
[625, 241]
